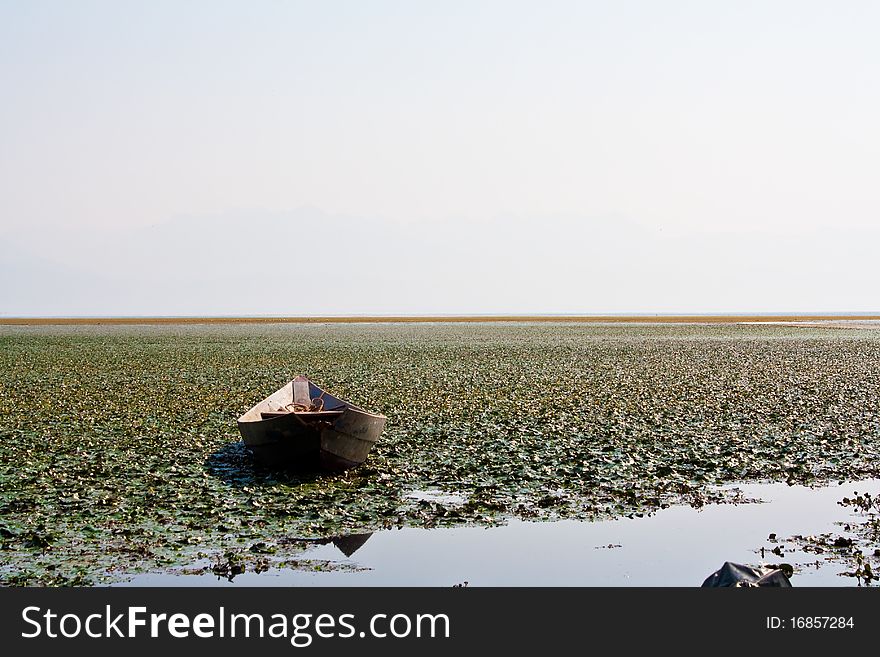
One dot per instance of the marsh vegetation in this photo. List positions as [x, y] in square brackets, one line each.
[119, 451]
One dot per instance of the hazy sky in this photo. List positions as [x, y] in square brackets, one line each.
[186, 157]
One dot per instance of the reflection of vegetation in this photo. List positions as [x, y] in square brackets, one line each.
[118, 445]
[867, 504]
[868, 533]
[858, 548]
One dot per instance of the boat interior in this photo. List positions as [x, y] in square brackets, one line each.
[301, 397]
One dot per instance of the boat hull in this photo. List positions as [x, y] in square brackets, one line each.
[296, 441]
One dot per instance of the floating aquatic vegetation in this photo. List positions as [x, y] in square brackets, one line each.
[119, 451]
[858, 546]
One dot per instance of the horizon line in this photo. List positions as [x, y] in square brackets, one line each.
[330, 319]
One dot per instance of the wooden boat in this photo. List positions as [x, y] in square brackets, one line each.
[301, 426]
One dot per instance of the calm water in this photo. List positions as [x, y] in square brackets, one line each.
[679, 546]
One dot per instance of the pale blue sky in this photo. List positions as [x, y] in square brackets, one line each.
[438, 157]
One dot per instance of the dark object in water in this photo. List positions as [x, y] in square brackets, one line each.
[348, 545]
[301, 426]
[738, 575]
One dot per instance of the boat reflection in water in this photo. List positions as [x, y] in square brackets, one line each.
[348, 545]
